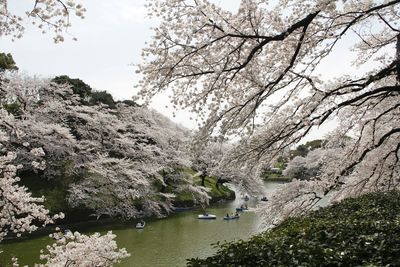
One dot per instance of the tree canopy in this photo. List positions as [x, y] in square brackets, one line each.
[256, 73]
[104, 97]
[7, 62]
[77, 85]
[112, 161]
[87, 94]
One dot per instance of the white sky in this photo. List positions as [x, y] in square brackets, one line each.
[110, 40]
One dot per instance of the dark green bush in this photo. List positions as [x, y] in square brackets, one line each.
[102, 97]
[364, 231]
[7, 62]
[78, 86]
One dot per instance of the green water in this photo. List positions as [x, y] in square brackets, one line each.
[164, 242]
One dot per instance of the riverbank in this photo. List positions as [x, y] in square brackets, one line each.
[217, 193]
[164, 242]
[81, 219]
[56, 194]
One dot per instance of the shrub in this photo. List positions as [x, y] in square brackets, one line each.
[362, 231]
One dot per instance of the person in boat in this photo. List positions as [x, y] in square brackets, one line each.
[142, 222]
[227, 215]
[241, 206]
[236, 214]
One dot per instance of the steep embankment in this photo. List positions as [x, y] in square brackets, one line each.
[56, 193]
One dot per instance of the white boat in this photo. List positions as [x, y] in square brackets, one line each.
[206, 216]
[140, 225]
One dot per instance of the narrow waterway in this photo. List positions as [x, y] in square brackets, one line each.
[164, 242]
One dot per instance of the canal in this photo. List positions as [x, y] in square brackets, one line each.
[163, 242]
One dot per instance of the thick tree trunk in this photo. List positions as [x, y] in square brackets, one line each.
[398, 57]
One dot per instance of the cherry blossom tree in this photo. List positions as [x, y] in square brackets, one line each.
[35, 129]
[33, 108]
[210, 160]
[307, 167]
[21, 213]
[18, 209]
[206, 159]
[117, 161]
[143, 153]
[51, 15]
[256, 73]
[75, 249]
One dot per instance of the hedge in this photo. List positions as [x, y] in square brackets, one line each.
[363, 231]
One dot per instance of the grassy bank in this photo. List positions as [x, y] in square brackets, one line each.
[217, 193]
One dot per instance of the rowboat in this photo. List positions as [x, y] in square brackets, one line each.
[140, 225]
[232, 217]
[206, 216]
[242, 209]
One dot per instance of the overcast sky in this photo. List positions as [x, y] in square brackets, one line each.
[110, 40]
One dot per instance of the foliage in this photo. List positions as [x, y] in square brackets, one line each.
[51, 14]
[77, 85]
[54, 192]
[98, 97]
[255, 73]
[7, 62]
[216, 193]
[302, 150]
[20, 213]
[309, 166]
[111, 161]
[129, 103]
[274, 173]
[355, 232]
[75, 249]
[89, 96]
[18, 209]
[206, 159]
[276, 176]
[13, 108]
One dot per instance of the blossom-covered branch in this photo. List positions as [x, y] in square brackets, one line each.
[256, 73]
[45, 14]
